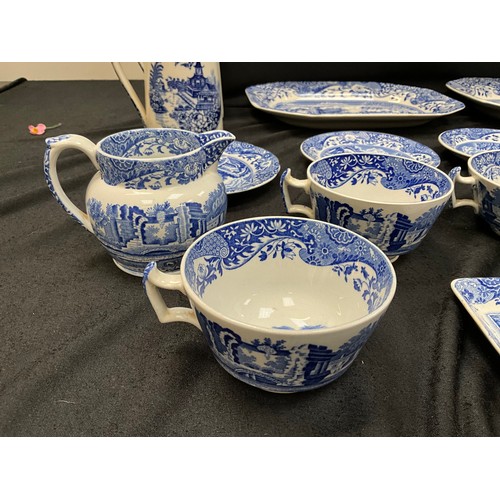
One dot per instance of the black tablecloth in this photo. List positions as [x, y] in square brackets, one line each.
[83, 354]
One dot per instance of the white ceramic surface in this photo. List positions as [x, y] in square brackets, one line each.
[284, 303]
[244, 167]
[363, 141]
[483, 91]
[334, 104]
[484, 178]
[481, 299]
[154, 192]
[390, 200]
[184, 95]
[467, 142]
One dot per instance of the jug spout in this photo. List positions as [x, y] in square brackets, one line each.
[214, 143]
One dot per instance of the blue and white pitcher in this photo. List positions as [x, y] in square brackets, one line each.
[185, 95]
[155, 191]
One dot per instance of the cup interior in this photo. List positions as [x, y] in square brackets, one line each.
[283, 273]
[487, 165]
[149, 143]
[380, 178]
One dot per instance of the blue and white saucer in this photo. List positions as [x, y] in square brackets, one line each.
[483, 91]
[360, 141]
[244, 166]
[481, 298]
[470, 141]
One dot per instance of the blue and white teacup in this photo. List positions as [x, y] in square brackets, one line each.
[390, 200]
[484, 169]
[285, 303]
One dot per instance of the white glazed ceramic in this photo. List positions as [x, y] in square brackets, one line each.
[362, 141]
[481, 298]
[390, 200]
[484, 91]
[284, 303]
[484, 170]
[468, 142]
[154, 192]
[184, 95]
[335, 104]
[244, 167]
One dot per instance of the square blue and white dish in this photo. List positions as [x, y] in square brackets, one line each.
[334, 104]
[480, 90]
[481, 298]
[363, 141]
[468, 142]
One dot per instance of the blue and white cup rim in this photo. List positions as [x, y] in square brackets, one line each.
[262, 330]
[473, 171]
[384, 203]
[146, 159]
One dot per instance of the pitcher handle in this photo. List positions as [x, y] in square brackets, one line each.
[464, 202]
[154, 279]
[130, 90]
[286, 181]
[55, 146]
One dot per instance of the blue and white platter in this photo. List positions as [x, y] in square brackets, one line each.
[482, 90]
[331, 104]
[362, 141]
[481, 298]
[244, 166]
[470, 141]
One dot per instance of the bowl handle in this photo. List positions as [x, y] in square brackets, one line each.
[154, 279]
[286, 181]
[467, 202]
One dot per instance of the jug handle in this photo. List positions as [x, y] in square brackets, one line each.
[154, 279]
[55, 146]
[130, 90]
[286, 181]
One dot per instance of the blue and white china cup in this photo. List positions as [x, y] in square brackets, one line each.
[390, 200]
[155, 191]
[285, 303]
[185, 95]
[484, 170]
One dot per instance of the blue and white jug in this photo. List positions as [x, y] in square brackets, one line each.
[185, 95]
[155, 191]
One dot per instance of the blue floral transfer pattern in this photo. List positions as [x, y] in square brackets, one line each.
[470, 141]
[193, 103]
[340, 98]
[395, 173]
[317, 244]
[480, 88]
[352, 141]
[135, 236]
[393, 232]
[273, 365]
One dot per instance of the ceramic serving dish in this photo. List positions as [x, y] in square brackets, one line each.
[244, 166]
[468, 142]
[483, 91]
[337, 104]
[481, 298]
[362, 141]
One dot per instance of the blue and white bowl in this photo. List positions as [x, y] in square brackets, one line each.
[285, 303]
[484, 169]
[390, 200]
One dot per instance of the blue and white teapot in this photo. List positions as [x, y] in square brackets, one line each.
[155, 191]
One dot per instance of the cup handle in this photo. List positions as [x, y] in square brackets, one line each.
[286, 181]
[466, 202]
[55, 146]
[130, 90]
[154, 279]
